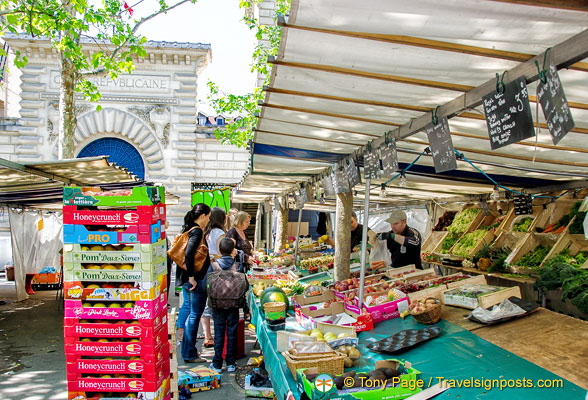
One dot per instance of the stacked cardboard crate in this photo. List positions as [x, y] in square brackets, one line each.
[115, 326]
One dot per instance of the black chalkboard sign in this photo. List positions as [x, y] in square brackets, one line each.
[389, 158]
[340, 181]
[352, 172]
[441, 146]
[508, 114]
[523, 205]
[555, 105]
[328, 186]
[371, 164]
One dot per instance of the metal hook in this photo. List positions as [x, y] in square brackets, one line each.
[542, 76]
[500, 82]
[434, 118]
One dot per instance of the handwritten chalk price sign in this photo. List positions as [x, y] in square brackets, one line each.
[389, 158]
[371, 164]
[441, 146]
[340, 181]
[508, 114]
[328, 186]
[352, 172]
[555, 105]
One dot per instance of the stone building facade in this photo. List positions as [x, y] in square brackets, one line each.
[148, 121]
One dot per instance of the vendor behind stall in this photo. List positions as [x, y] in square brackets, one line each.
[356, 235]
[403, 241]
[357, 232]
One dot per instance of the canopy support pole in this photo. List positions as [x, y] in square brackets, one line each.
[297, 237]
[268, 216]
[366, 214]
[258, 227]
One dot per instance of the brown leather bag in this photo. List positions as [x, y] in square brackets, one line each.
[177, 251]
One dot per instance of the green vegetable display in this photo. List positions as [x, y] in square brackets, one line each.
[577, 227]
[523, 225]
[468, 242]
[463, 220]
[534, 258]
[573, 281]
[448, 243]
[565, 257]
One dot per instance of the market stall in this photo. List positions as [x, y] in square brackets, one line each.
[399, 105]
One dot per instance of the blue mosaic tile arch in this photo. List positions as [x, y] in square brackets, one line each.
[122, 153]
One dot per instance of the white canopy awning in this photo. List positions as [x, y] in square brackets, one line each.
[347, 72]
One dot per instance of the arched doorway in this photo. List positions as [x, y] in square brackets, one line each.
[121, 152]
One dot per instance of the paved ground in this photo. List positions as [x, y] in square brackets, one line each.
[32, 362]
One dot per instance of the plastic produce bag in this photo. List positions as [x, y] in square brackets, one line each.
[500, 311]
[380, 252]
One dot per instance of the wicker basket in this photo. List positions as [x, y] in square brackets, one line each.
[331, 364]
[431, 316]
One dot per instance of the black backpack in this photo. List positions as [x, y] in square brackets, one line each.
[227, 289]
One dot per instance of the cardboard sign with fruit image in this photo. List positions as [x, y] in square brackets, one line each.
[390, 379]
[95, 196]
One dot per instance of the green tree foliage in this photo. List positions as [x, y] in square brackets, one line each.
[240, 131]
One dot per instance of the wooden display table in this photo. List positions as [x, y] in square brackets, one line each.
[553, 341]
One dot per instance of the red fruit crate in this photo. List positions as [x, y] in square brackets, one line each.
[140, 310]
[147, 370]
[115, 396]
[103, 329]
[103, 382]
[146, 234]
[140, 216]
[113, 291]
[115, 348]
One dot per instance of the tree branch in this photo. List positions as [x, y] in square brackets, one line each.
[133, 31]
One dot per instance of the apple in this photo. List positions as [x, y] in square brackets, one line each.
[87, 304]
[106, 376]
[108, 266]
[103, 340]
[343, 335]
[109, 248]
[85, 340]
[93, 286]
[128, 248]
[98, 305]
[107, 286]
[129, 305]
[85, 248]
[92, 266]
[126, 286]
[135, 358]
[96, 248]
[115, 305]
[134, 340]
[126, 267]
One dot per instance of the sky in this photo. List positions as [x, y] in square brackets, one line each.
[217, 22]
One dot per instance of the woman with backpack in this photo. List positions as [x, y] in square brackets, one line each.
[227, 290]
[194, 278]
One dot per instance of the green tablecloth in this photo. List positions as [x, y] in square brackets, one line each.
[455, 354]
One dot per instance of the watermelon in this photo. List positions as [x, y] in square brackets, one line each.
[273, 294]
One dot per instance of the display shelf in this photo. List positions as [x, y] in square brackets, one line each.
[95, 196]
[141, 310]
[137, 272]
[567, 241]
[98, 254]
[527, 245]
[141, 215]
[124, 291]
[552, 213]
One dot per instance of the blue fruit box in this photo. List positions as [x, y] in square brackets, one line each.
[198, 379]
[395, 389]
[95, 196]
[146, 234]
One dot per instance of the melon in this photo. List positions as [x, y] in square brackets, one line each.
[273, 294]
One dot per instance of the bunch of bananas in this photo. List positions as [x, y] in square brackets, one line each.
[290, 287]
